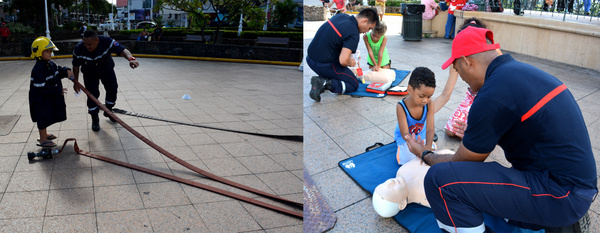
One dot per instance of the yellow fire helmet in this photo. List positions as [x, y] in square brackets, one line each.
[39, 45]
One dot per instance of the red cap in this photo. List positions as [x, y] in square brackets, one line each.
[469, 41]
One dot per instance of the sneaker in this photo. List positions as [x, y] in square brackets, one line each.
[318, 86]
[583, 225]
[95, 123]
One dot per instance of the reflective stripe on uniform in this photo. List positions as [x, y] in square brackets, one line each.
[477, 229]
[96, 58]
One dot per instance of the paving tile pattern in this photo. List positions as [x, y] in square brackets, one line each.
[73, 193]
[341, 126]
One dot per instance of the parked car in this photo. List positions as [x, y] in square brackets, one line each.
[145, 24]
[105, 26]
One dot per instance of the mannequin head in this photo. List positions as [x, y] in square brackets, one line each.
[390, 197]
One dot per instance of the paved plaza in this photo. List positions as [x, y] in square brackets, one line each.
[73, 193]
[341, 126]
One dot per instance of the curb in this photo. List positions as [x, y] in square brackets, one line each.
[177, 57]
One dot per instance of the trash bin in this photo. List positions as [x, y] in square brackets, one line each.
[26, 46]
[412, 21]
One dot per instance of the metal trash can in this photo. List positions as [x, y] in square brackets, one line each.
[26, 46]
[412, 21]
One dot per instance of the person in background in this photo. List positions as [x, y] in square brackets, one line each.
[451, 21]
[4, 32]
[431, 9]
[157, 33]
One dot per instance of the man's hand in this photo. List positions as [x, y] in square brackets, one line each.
[75, 75]
[459, 128]
[133, 64]
[64, 91]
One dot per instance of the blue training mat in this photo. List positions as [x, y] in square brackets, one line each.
[362, 87]
[374, 167]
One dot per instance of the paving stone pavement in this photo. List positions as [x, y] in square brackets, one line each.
[341, 126]
[73, 193]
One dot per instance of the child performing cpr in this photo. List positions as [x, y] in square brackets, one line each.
[46, 101]
[375, 41]
[415, 113]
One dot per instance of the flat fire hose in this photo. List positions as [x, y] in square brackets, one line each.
[295, 138]
[185, 164]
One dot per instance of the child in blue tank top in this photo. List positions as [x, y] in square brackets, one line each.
[415, 113]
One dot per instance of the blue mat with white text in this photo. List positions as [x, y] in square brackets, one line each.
[374, 167]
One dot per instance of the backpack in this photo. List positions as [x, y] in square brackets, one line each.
[517, 8]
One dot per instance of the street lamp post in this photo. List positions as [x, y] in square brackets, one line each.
[128, 12]
[266, 16]
[47, 28]
[112, 16]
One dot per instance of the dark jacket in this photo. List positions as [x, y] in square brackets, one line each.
[46, 101]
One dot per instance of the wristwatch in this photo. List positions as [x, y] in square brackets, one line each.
[423, 155]
[131, 58]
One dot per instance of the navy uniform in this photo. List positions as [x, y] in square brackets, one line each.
[341, 31]
[537, 122]
[98, 66]
[46, 101]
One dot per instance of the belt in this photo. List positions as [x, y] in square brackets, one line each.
[185, 164]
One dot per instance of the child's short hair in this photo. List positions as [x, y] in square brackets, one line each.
[380, 28]
[422, 75]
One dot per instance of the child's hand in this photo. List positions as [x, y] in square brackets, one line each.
[376, 68]
[459, 128]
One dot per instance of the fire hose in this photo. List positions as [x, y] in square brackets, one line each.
[185, 164]
[294, 138]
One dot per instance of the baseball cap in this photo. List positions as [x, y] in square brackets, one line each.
[469, 41]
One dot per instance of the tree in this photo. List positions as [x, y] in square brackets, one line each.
[232, 8]
[285, 12]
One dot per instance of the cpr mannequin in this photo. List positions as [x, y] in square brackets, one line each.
[395, 194]
[381, 76]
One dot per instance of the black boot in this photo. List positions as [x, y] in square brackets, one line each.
[318, 86]
[95, 122]
[109, 106]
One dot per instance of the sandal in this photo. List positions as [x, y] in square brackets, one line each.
[50, 137]
[47, 144]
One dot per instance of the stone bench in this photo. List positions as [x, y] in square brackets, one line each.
[197, 38]
[272, 41]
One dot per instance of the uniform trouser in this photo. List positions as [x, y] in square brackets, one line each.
[342, 78]
[459, 192]
[92, 84]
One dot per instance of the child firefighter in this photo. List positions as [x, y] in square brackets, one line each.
[46, 93]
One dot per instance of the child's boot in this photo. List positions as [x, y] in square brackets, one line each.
[95, 122]
[318, 86]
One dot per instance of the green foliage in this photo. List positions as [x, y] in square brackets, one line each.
[70, 26]
[254, 17]
[19, 28]
[285, 12]
[179, 31]
[159, 21]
